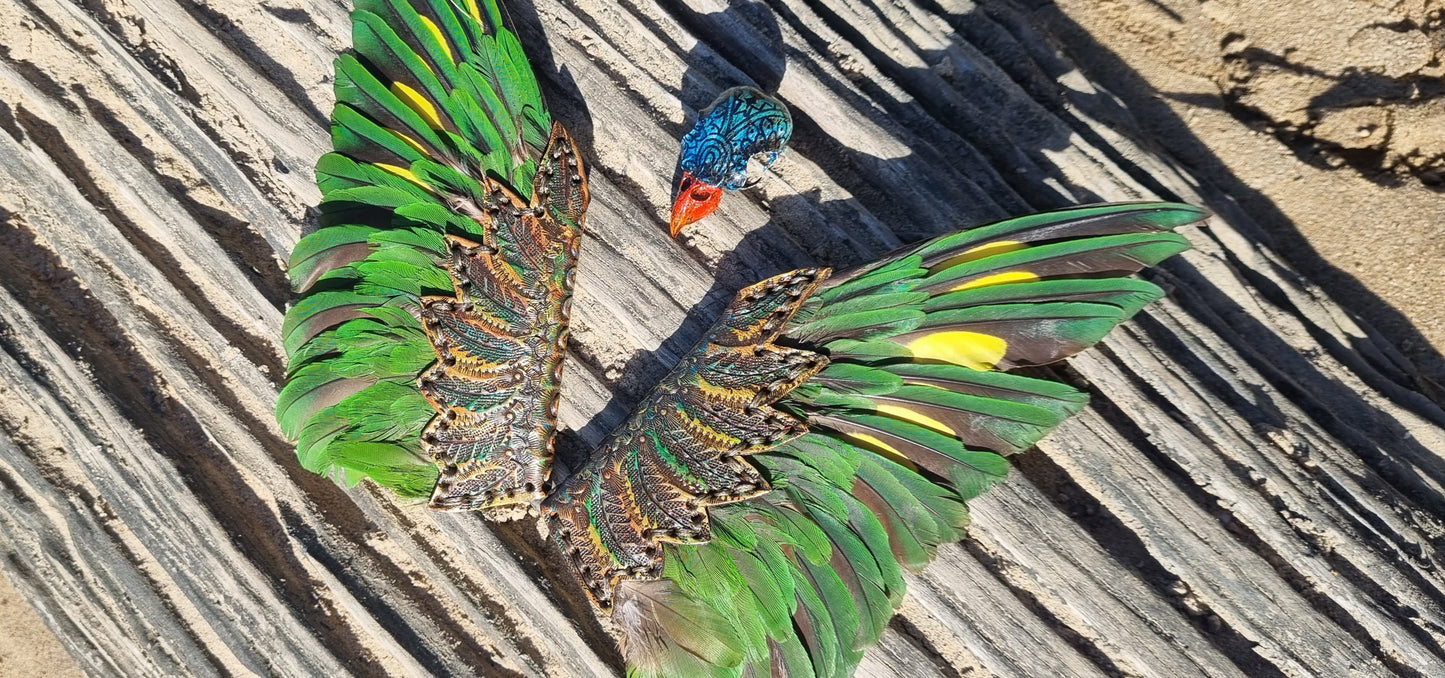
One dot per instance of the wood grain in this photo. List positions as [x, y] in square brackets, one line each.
[1255, 490]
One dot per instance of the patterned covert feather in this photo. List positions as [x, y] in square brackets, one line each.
[500, 341]
[682, 450]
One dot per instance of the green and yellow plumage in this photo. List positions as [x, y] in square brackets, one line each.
[756, 514]
[451, 214]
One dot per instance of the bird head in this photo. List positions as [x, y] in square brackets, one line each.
[695, 200]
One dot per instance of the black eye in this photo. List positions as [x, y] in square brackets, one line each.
[701, 192]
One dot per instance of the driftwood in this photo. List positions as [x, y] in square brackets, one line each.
[1256, 489]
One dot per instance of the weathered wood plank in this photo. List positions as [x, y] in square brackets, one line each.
[1255, 491]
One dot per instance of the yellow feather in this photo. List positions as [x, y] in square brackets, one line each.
[411, 142]
[418, 103]
[988, 250]
[883, 449]
[472, 9]
[438, 32]
[405, 174]
[916, 417]
[997, 279]
[968, 349]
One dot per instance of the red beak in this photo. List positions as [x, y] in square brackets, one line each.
[695, 200]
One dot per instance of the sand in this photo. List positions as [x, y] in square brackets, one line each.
[1324, 118]
[27, 647]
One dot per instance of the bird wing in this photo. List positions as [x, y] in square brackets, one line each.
[425, 346]
[756, 514]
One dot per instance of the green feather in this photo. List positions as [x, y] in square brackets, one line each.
[386, 410]
[314, 439]
[1115, 254]
[524, 98]
[338, 174]
[773, 601]
[355, 350]
[448, 16]
[698, 640]
[326, 249]
[865, 351]
[977, 471]
[395, 278]
[991, 423]
[409, 26]
[834, 615]
[395, 60]
[868, 575]
[312, 388]
[1061, 399]
[423, 246]
[913, 532]
[870, 279]
[322, 310]
[448, 180]
[1074, 222]
[844, 378]
[357, 136]
[482, 92]
[390, 197]
[362, 90]
[871, 302]
[862, 326]
[1128, 294]
[1035, 334]
[473, 121]
[402, 469]
[371, 336]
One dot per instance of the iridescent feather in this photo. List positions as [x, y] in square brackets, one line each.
[427, 342]
[741, 125]
[757, 512]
